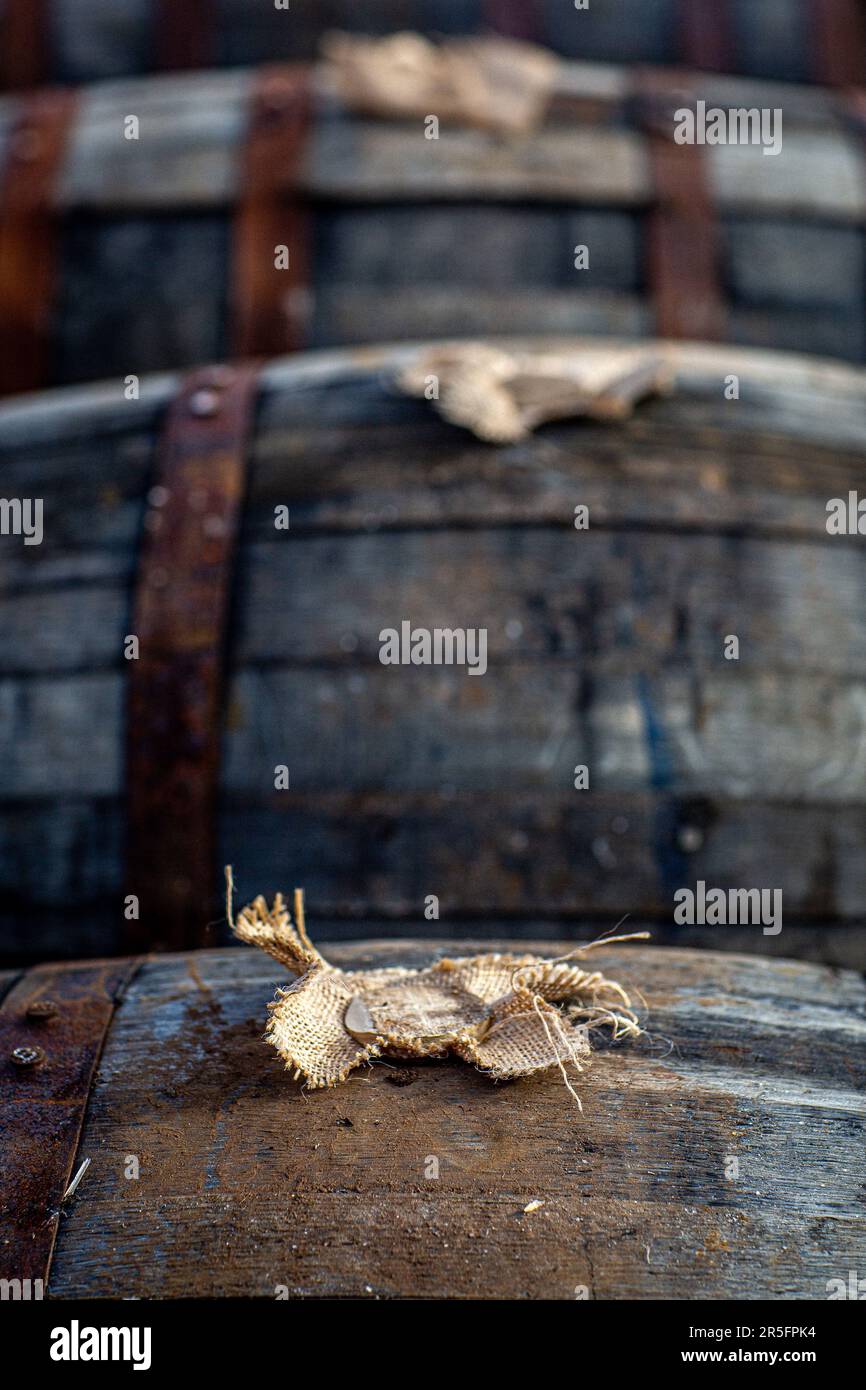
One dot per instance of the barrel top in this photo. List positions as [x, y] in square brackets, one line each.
[807, 396]
[192, 129]
[735, 1123]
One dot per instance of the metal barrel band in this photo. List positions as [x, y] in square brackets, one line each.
[48, 1058]
[683, 253]
[706, 35]
[28, 236]
[175, 687]
[270, 274]
[839, 42]
[24, 44]
[184, 34]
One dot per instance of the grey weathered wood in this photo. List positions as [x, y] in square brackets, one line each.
[192, 126]
[245, 1183]
[572, 613]
[365, 854]
[771, 734]
[605, 647]
[468, 234]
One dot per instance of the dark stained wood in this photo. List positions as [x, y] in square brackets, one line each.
[185, 35]
[605, 648]
[25, 57]
[706, 34]
[246, 1184]
[776, 38]
[840, 42]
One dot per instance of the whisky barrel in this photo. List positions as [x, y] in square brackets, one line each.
[252, 214]
[723, 1152]
[83, 40]
[380, 786]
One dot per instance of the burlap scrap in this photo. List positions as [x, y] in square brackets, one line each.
[503, 396]
[509, 1015]
[492, 83]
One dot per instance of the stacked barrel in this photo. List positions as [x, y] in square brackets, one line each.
[43, 41]
[431, 443]
[166, 648]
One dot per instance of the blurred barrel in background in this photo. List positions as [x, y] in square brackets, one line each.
[131, 255]
[163, 519]
[85, 40]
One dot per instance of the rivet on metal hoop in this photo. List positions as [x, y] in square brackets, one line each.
[204, 403]
[27, 1056]
[41, 1009]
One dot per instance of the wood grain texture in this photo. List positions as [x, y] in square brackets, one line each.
[605, 648]
[246, 1184]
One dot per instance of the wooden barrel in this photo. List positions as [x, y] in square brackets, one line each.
[253, 215]
[83, 40]
[289, 519]
[722, 1154]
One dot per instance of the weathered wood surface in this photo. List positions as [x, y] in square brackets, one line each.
[89, 39]
[247, 1184]
[467, 234]
[191, 127]
[605, 648]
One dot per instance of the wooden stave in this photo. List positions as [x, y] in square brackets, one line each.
[791, 234]
[88, 40]
[763, 1066]
[80, 909]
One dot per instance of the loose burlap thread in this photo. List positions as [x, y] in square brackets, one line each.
[508, 1015]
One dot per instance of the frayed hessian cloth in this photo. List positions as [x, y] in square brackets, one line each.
[509, 1015]
[492, 83]
[503, 395]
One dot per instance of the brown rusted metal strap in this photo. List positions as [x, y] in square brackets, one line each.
[53, 1024]
[839, 42]
[28, 237]
[706, 36]
[515, 19]
[683, 253]
[271, 299]
[175, 685]
[185, 33]
[24, 44]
